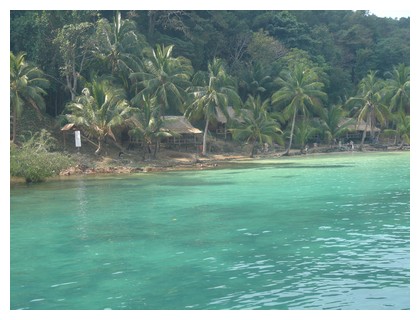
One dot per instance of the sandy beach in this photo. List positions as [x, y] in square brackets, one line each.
[169, 160]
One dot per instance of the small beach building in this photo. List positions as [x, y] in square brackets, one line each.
[355, 130]
[223, 122]
[184, 134]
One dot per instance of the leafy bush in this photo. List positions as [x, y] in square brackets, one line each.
[34, 160]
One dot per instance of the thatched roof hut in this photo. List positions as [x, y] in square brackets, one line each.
[222, 121]
[183, 132]
[178, 125]
[358, 126]
[233, 114]
[355, 129]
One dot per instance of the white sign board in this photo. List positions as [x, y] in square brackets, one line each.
[77, 139]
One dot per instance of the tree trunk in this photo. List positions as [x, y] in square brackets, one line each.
[55, 105]
[156, 148]
[98, 151]
[74, 86]
[291, 133]
[363, 139]
[152, 22]
[70, 87]
[14, 125]
[401, 145]
[253, 148]
[205, 138]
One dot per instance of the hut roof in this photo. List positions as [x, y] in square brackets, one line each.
[359, 126]
[233, 114]
[179, 124]
[68, 127]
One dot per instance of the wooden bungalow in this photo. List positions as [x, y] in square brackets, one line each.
[355, 130]
[183, 132]
[222, 122]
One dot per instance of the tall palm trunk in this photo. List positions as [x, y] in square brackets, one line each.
[146, 149]
[253, 148]
[14, 125]
[14, 122]
[368, 120]
[291, 133]
[401, 145]
[99, 149]
[363, 139]
[205, 137]
[156, 148]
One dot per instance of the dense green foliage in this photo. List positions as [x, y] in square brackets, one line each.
[310, 70]
[258, 126]
[211, 91]
[299, 91]
[368, 101]
[145, 124]
[27, 85]
[165, 77]
[100, 108]
[35, 159]
[344, 44]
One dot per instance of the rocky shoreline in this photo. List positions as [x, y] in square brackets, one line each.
[183, 162]
[82, 170]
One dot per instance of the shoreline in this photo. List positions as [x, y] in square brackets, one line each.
[189, 162]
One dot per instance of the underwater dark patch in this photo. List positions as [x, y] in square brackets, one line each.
[195, 183]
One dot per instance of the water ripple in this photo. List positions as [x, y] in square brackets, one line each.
[333, 235]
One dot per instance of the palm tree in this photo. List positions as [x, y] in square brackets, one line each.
[145, 123]
[27, 84]
[369, 103]
[333, 122]
[255, 80]
[299, 91]
[119, 46]
[165, 77]
[402, 130]
[99, 109]
[213, 89]
[303, 132]
[397, 89]
[258, 126]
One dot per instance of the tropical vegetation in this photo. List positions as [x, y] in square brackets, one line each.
[369, 103]
[294, 77]
[213, 91]
[97, 110]
[27, 84]
[258, 125]
[299, 91]
[37, 158]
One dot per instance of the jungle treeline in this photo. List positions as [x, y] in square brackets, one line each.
[345, 45]
[286, 68]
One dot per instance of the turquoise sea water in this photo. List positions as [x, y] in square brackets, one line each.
[325, 232]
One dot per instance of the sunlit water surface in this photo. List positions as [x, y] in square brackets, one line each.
[325, 232]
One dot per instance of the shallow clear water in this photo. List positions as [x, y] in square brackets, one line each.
[325, 232]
